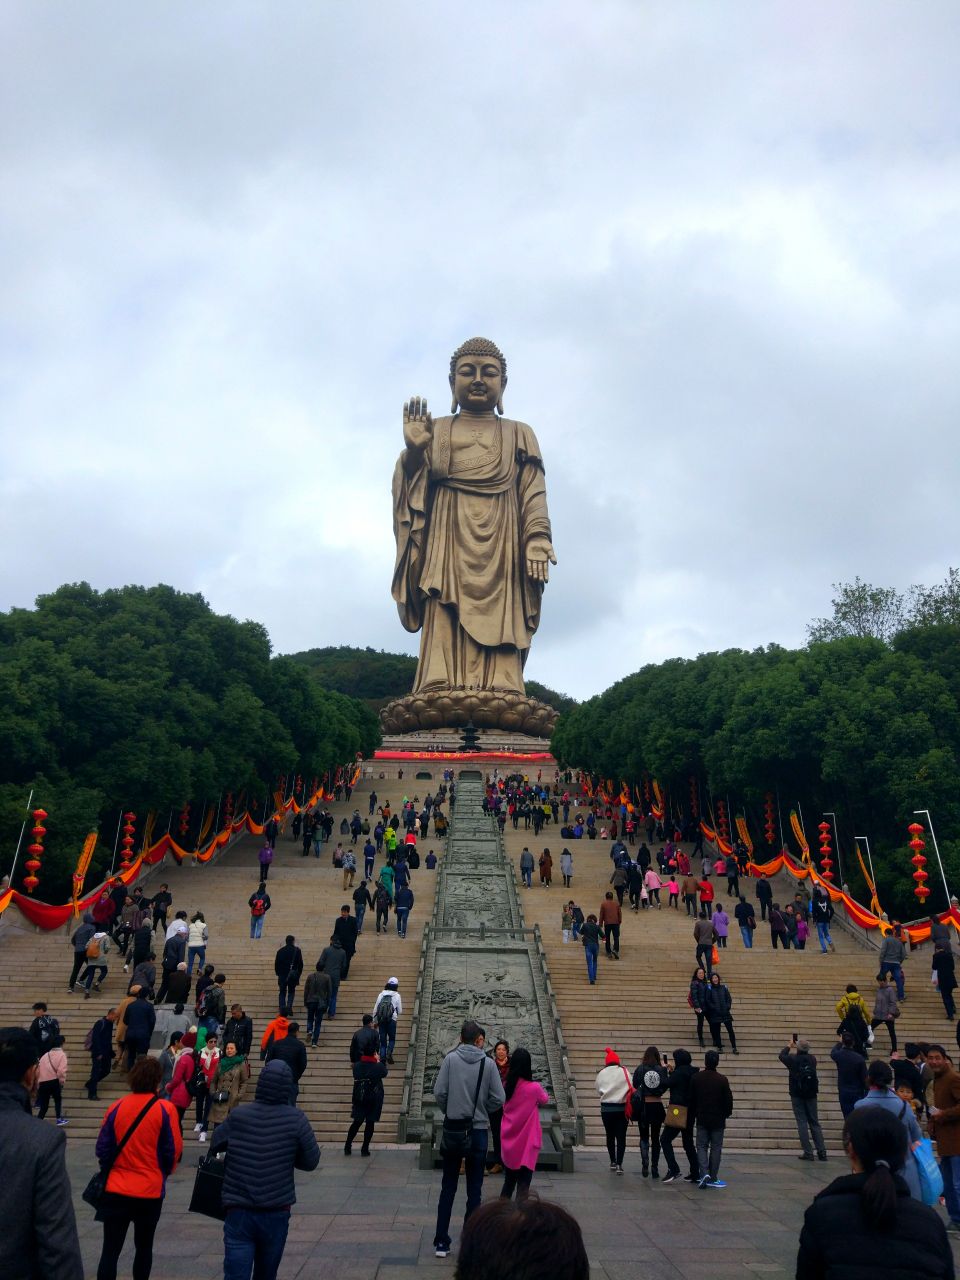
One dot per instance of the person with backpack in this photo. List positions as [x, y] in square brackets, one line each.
[288, 966]
[804, 1086]
[387, 1008]
[853, 1015]
[259, 904]
[44, 1028]
[96, 957]
[366, 1102]
[382, 901]
[81, 937]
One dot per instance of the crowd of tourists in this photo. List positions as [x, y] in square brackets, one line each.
[185, 1049]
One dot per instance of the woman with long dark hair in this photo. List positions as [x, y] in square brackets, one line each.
[520, 1134]
[650, 1081]
[697, 999]
[867, 1221]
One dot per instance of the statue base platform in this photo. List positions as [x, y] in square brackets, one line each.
[502, 709]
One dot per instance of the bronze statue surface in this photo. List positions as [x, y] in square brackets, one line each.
[473, 554]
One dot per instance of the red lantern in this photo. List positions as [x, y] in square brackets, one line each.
[126, 861]
[769, 824]
[918, 844]
[826, 860]
[38, 831]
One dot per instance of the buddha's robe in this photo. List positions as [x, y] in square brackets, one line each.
[463, 519]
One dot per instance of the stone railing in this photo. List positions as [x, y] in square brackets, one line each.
[478, 960]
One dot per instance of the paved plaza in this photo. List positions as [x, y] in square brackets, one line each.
[373, 1219]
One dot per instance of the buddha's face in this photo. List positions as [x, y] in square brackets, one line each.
[477, 383]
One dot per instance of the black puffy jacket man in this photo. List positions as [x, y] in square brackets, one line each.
[268, 1138]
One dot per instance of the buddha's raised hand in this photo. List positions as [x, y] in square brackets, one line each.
[417, 424]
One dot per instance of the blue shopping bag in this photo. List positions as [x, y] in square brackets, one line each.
[931, 1179]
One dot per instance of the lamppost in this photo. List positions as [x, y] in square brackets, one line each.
[836, 840]
[936, 849]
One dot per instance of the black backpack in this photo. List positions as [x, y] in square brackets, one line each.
[196, 1080]
[806, 1082]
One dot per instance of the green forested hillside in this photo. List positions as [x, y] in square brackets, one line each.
[377, 676]
[143, 698]
[866, 728]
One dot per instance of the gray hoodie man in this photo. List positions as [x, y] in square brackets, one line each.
[468, 1083]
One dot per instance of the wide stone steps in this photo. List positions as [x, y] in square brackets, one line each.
[641, 999]
[306, 895]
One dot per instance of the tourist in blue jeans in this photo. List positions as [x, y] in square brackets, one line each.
[591, 935]
[386, 1010]
[821, 911]
[467, 1088]
[892, 955]
[267, 1138]
[946, 1131]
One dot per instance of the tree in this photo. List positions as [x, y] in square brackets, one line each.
[862, 610]
[937, 605]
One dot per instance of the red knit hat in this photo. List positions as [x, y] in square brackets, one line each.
[612, 1059]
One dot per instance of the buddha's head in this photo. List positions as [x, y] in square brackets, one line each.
[478, 375]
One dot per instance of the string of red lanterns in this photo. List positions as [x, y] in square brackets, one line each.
[126, 861]
[35, 850]
[769, 825]
[185, 820]
[918, 844]
[826, 859]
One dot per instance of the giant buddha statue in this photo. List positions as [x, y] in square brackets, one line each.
[473, 554]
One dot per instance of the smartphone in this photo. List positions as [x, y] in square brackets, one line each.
[795, 1037]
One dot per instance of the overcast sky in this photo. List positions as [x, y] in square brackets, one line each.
[718, 243]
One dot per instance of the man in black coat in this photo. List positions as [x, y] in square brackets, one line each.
[943, 967]
[711, 1104]
[764, 895]
[346, 930]
[101, 1051]
[293, 1052]
[39, 1238]
[239, 1030]
[268, 1138]
[141, 1018]
[288, 966]
[364, 1040]
[174, 953]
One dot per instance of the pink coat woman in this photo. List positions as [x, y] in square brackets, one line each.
[520, 1134]
[177, 1088]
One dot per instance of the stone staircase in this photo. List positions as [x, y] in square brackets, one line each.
[642, 998]
[478, 961]
[306, 896]
[637, 1001]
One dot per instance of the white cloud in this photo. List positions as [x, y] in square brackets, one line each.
[718, 245]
